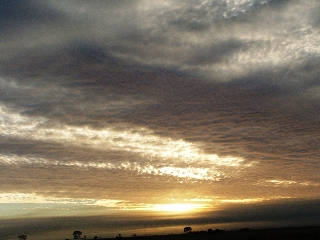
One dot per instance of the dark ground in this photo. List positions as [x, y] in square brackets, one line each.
[306, 233]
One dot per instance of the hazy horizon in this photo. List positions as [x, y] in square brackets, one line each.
[206, 111]
[285, 213]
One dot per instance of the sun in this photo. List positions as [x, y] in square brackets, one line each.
[176, 207]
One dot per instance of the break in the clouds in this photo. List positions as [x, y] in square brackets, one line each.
[141, 104]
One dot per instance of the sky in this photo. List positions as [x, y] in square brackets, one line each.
[130, 115]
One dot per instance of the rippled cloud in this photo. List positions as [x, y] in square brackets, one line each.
[113, 98]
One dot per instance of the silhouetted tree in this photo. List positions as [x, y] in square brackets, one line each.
[244, 229]
[77, 234]
[22, 237]
[218, 231]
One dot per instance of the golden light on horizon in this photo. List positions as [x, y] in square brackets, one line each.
[177, 207]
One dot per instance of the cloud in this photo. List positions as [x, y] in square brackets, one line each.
[216, 52]
[19, 12]
[119, 97]
[280, 214]
[68, 147]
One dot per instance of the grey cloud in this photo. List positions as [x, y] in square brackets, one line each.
[257, 97]
[170, 44]
[190, 25]
[315, 19]
[28, 25]
[17, 13]
[136, 71]
[217, 52]
[200, 16]
[158, 40]
[63, 152]
[90, 183]
[277, 3]
[280, 213]
[66, 170]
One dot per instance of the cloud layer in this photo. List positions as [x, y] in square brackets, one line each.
[110, 99]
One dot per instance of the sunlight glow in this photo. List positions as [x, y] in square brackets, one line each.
[177, 207]
[286, 183]
[38, 199]
[176, 158]
[252, 200]
[247, 200]
[54, 202]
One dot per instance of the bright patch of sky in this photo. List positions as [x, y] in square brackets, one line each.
[174, 154]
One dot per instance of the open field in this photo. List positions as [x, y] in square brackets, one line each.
[305, 233]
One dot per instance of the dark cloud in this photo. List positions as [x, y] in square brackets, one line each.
[20, 12]
[112, 99]
[217, 51]
[190, 26]
[281, 213]
[225, 117]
